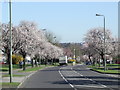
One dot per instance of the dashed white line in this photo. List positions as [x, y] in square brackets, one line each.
[73, 86]
[89, 79]
[89, 86]
[66, 80]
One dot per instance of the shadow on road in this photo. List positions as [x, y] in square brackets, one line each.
[95, 77]
[98, 79]
[58, 82]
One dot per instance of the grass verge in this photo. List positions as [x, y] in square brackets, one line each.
[107, 71]
[13, 75]
[111, 69]
[36, 68]
[4, 69]
[113, 65]
[9, 85]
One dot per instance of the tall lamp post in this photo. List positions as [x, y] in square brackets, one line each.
[54, 44]
[74, 54]
[10, 27]
[104, 40]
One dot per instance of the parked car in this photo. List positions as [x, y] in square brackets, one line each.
[2, 62]
[117, 62]
[88, 63]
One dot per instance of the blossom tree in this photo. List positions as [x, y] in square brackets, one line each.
[87, 49]
[28, 39]
[95, 38]
[32, 38]
[6, 41]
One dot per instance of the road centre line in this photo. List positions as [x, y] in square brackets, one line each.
[89, 79]
[89, 86]
[73, 86]
[66, 79]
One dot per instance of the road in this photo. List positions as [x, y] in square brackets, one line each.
[77, 77]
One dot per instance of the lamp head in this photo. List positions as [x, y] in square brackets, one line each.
[99, 15]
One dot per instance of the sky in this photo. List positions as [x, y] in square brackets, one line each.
[69, 21]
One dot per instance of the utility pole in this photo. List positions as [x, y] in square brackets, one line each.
[10, 27]
[105, 68]
[74, 54]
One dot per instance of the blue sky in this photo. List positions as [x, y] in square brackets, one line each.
[70, 21]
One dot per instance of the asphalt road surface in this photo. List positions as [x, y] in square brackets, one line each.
[77, 77]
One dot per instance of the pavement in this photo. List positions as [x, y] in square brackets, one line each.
[16, 79]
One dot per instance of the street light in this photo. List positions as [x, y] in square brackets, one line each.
[10, 27]
[104, 40]
[74, 54]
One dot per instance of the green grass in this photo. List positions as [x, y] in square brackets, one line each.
[9, 85]
[37, 68]
[91, 66]
[113, 64]
[15, 66]
[108, 65]
[13, 75]
[55, 64]
[4, 69]
[34, 68]
[108, 71]
[7, 66]
[111, 68]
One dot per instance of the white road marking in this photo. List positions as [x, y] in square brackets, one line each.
[89, 86]
[66, 80]
[90, 79]
[117, 76]
[74, 86]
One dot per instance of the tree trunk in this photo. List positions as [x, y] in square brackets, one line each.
[55, 61]
[102, 56]
[24, 65]
[90, 59]
[52, 62]
[93, 62]
[46, 60]
[36, 62]
[99, 62]
[32, 63]
[39, 62]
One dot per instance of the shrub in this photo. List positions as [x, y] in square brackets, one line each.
[16, 59]
[71, 60]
